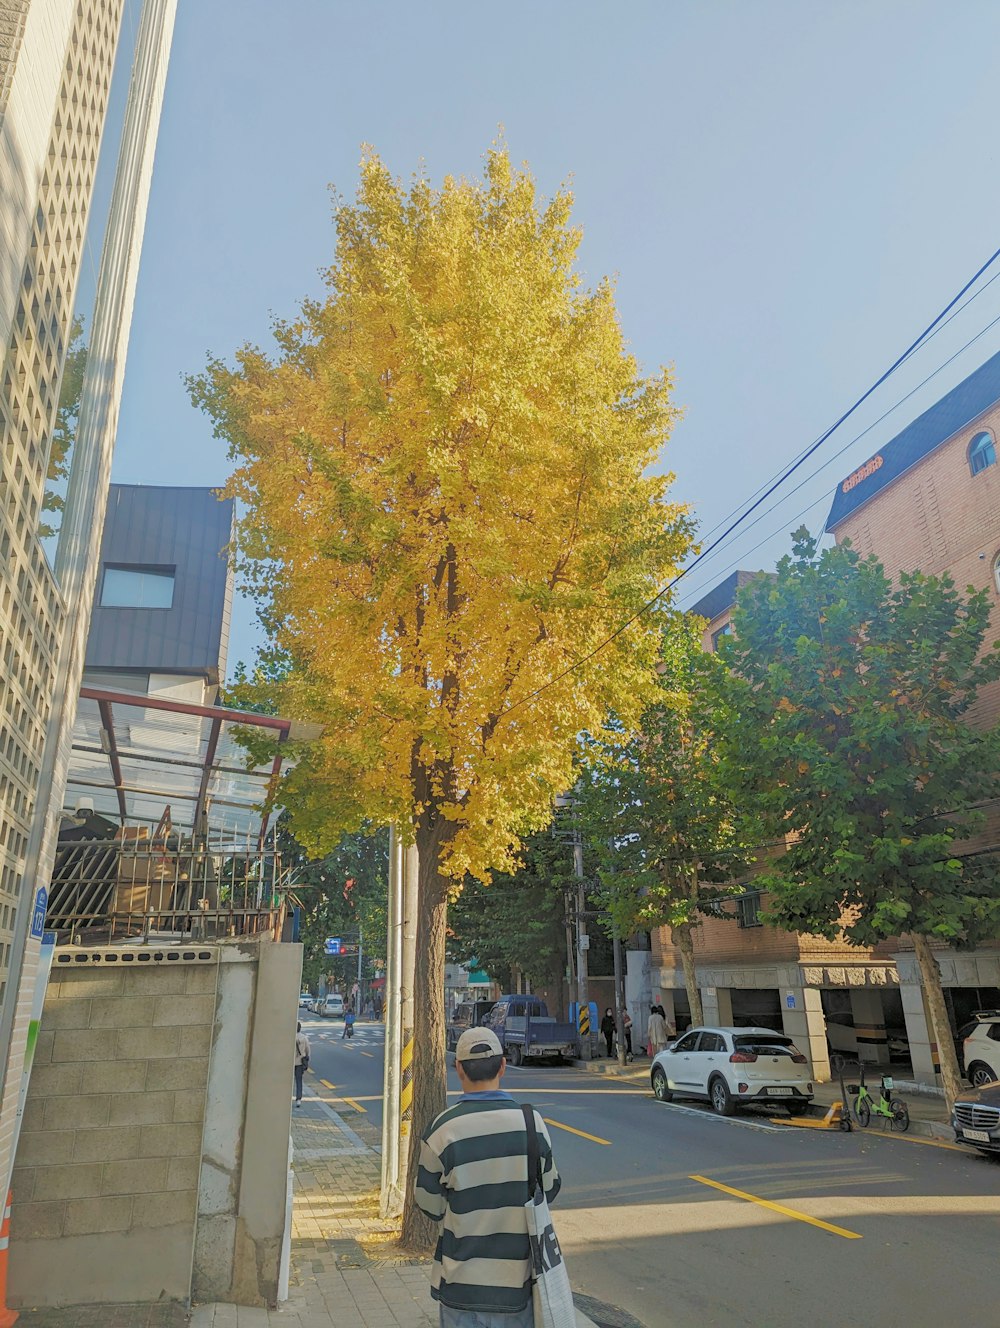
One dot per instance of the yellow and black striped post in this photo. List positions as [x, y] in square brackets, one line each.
[583, 1021]
[405, 1091]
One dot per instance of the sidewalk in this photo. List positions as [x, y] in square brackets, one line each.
[346, 1269]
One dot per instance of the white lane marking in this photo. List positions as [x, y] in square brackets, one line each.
[742, 1121]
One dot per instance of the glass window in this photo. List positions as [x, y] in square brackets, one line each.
[712, 1042]
[719, 636]
[688, 1043]
[137, 588]
[996, 572]
[748, 910]
[982, 452]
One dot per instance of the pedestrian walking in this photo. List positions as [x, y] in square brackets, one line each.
[656, 1032]
[628, 1037]
[608, 1030]
[473, 1180]
[301, 1063]
[348, 1024]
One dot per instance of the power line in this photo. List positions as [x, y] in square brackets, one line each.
[856, 439]
[940, 328]
[789, 470]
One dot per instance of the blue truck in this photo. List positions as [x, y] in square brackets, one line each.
[528, 1032]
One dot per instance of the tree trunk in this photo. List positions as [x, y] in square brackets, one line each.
[685, 943]
[429, 1069]
[930, 976]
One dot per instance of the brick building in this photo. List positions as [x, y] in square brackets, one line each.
[825, 994]
[929, 500]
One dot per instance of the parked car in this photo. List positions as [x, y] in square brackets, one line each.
[305, 1000]
[975, 1118]
[331, 1006]
[734, 1067]
[981, 1048]
[470, 1014]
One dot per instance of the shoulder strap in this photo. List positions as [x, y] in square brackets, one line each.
[534, 1158]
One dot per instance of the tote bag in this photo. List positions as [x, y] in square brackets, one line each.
[551, 1294]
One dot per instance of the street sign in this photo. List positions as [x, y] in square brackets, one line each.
[334, 945]
[38, 913]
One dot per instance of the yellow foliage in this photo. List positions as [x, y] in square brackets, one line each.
[444, 473]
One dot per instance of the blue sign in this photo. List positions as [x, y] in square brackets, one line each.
[790, 1000]
[333, 946]
[38, 914]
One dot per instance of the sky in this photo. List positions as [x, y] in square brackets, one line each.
[785, 192]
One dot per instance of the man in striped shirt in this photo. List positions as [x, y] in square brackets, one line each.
[473, 1179]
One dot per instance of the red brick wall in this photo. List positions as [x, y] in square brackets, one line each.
[938, 517]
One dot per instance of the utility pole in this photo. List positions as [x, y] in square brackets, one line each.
[411, 866]
[583, 946]
[391, 1202]
[619, 1002]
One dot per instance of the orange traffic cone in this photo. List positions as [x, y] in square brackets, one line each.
[7, 1317]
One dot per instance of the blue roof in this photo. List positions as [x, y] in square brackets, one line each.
[935, 426]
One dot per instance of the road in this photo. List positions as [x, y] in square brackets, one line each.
[686, 1219]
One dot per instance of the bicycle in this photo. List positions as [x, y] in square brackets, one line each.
[892, 1109]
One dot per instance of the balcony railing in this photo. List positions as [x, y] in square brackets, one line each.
[132, 889]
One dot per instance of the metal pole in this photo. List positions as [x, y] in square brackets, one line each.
[583, 945]
[619, 1003]
[390, 1203]
[361, 1004]
[408, 967]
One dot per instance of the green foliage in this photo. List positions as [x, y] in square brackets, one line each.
[331, 907]
[849, 698]
[656, 809]
[67, 415]
[518, 920]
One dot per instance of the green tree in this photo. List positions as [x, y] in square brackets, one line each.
[67, 415]
[446, 474]
[850, 706]
[517, 921]
[345, 891]
[670, 841]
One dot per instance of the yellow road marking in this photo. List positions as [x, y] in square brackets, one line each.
[356, 1105]
[915, 1139]
[582, 1133]
[779, 1208]
[326, 1084]
[369, 1054]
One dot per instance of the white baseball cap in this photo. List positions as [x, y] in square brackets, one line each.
[478, 1044]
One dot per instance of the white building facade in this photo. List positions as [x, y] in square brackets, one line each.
[56, 63]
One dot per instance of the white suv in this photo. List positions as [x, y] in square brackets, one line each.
[732, 1067]
[982, 1048]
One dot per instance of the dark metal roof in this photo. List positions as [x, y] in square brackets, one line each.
[935, 426]
[186, 529]
[723, 596]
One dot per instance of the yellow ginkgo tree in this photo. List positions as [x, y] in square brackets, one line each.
[445, 472]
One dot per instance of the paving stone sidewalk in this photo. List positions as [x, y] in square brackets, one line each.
[346, 1271]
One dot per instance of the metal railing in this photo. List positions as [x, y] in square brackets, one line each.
[132, 888]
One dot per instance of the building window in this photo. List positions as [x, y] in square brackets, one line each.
[748, 910]
[137, 588]
[719, 636]
[996, 572]
[982, 452]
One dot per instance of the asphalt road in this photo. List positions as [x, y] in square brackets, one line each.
[687, 1220]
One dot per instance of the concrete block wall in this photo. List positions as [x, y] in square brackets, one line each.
[153, 1157]
[110, 1150]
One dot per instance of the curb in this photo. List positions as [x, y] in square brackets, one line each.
[612, 1069]
[925, 1129]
